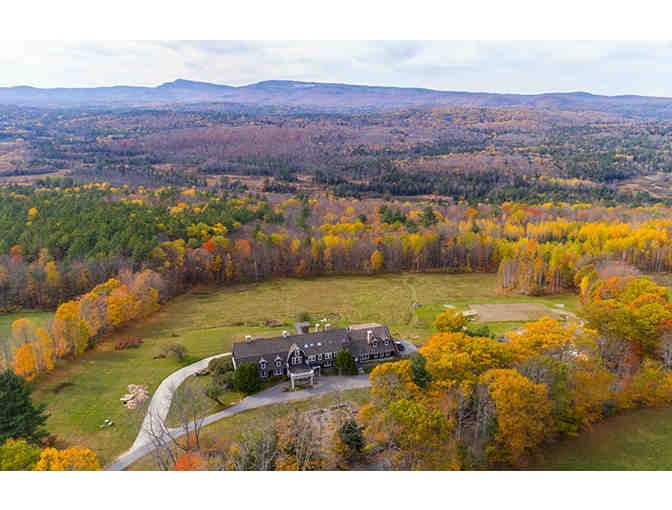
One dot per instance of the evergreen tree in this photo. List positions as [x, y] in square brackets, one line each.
[419, 373]
[19, 418]
[345, 363]
[246, 378]
[351, 435]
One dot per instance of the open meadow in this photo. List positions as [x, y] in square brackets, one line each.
[81, 394]
[635, 440]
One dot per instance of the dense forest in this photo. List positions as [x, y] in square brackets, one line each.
[459, 153]
[71, 240]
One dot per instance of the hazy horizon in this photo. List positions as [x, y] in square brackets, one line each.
[517, 67]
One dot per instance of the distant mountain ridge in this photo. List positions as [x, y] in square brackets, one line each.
[316, 96]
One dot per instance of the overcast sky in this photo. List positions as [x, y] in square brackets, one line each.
[627, 67]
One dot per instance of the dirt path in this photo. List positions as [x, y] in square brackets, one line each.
[414, 299]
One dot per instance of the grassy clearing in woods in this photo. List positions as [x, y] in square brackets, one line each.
[81, 394]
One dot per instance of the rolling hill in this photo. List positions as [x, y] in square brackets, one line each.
[333, 97]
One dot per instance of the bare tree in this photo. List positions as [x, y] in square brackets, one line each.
[189, 408]
[252, 450]
[665, 350]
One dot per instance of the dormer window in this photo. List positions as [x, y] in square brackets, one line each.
[278, 363]
[387, 342]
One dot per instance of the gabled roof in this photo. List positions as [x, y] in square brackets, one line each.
[331, 340]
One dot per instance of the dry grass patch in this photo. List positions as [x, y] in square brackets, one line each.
[520, 312]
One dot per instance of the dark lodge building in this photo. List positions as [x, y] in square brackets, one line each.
[302, 356]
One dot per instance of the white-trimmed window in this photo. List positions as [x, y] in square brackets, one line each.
[277, 371]
[327, 355]
[319, 357]
[278, 363]
[311, 357]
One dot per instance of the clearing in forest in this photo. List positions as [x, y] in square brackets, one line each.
[500, 312]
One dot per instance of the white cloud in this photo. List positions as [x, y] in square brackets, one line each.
[498, 66]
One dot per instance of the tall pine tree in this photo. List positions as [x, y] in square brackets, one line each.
[19, 418]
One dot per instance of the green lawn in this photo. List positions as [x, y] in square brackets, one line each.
[227, 399]
[80, 395]
[637, 440]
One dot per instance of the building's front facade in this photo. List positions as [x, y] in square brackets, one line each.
[303, 356]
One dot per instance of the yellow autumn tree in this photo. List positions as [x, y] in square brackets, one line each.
[71, 333]
[376, 260]
[71, 459]
[450, 322]
[522, 409]
[455, 358]
[22, 337]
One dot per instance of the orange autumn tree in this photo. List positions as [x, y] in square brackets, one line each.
[70, 459]
[190, 461]
[24, 362]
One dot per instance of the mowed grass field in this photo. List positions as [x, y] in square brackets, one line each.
[80, 395]
[637, 440]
